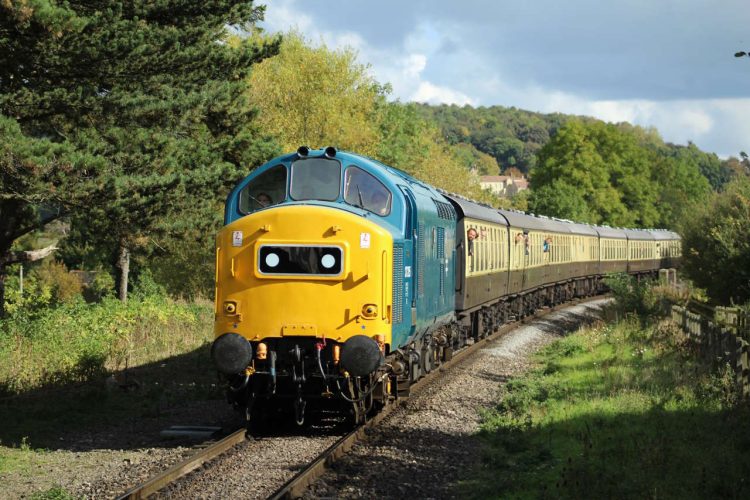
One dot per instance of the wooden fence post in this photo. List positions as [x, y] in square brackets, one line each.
[745, 368]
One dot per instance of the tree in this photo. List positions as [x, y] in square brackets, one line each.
[716, 244]
[39, 181]
[617, 175]
[317, 97]
[147, 100]
[561, 199]
[578, 157]
[680, 185]
[692, 159]
[473, 159]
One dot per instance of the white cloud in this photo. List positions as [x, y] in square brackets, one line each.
[413, 65]
[283, 15]
[403, 72]
[433, 94]
[717, 125]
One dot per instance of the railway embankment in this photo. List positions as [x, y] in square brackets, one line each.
[632, 409]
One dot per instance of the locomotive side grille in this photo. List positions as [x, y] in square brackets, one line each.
[420, 260]
[398, 283]
[441, 256]
[444, 210]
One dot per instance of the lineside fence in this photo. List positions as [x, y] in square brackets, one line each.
[722, 334]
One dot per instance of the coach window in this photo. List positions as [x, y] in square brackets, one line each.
[269, 188]
[363, 190]
[496, 247]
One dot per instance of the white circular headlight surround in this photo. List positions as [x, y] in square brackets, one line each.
[328, 261]
[272, 260]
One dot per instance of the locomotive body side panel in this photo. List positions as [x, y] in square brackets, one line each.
[432, 238]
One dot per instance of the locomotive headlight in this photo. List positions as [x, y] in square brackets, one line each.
[300, 260]
[328, 261]
[272, 260]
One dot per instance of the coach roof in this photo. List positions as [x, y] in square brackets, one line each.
[466, 208]
[525, 221]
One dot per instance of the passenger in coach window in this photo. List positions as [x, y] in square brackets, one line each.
[471, 235]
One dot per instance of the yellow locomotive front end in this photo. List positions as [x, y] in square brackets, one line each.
[303, 271]
[303, 302]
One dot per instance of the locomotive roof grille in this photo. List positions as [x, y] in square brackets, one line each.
[444, 210]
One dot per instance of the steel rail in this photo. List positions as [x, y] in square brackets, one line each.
[296, 486]
[185, 467]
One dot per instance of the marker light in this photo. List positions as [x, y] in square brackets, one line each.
[370, 311]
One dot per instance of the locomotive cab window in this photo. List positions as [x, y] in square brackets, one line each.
[316, 179]
[363, 190]
[269, 188]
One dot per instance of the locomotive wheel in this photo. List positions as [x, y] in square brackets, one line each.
[428, 359]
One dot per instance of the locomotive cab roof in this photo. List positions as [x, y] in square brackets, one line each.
[329, 177]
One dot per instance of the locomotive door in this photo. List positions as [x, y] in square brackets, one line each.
[417, 237]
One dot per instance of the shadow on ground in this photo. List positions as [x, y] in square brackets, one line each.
[123, 411]
[656, 454]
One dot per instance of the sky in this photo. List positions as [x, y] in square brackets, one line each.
[667, 64]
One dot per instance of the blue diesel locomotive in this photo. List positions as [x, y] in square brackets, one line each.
[340, 280]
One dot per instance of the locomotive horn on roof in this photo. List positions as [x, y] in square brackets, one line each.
[303, 151]
[330, 151]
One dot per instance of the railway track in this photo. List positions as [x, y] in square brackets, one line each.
[185, 467]
[299, 482]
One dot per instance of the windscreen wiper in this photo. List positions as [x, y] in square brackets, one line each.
[359, 194]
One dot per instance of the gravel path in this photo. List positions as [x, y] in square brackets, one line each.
[253, 469]
[425, 448]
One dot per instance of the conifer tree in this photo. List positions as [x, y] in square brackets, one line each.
[126, 111]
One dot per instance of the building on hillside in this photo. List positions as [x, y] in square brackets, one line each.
[505, 186]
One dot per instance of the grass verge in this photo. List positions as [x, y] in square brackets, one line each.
[84, 368]
[617, 411]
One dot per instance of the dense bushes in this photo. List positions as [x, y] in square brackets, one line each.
[76, 341]
[633, 296]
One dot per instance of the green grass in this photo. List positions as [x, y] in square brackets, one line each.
[21, 459]
[616, 412]
[54, 493]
